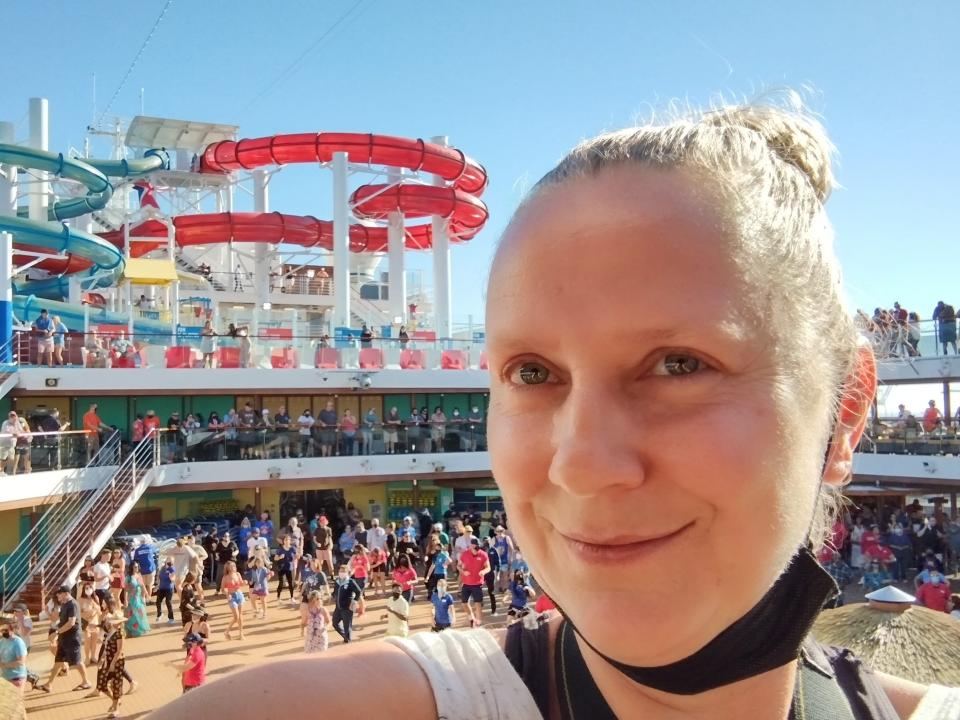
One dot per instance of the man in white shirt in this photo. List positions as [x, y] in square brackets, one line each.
[256, 543]
[101, 577]
[398, 613]
[305, 425]
[376, 536]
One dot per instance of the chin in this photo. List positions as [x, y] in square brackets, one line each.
[644, 626]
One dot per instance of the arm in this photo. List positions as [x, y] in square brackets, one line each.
[399, 615]
[118, 654]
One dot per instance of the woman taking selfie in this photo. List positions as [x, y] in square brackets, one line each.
[709, 324]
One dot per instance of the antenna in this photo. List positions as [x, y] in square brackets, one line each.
[141, 101]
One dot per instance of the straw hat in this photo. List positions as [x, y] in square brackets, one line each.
[916, 643]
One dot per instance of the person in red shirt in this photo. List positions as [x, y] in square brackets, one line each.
[405, 576]
[359, 569]
[194, 668]
[93, 425]
[934, 594]
[932, 417]
[473, 565]
[151, 422]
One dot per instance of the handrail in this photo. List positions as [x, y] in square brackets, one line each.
[64, 503]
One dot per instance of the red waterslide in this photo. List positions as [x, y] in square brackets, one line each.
[458, 202]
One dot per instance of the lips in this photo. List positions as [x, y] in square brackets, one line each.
[621, 548]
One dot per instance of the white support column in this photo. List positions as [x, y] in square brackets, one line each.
[397, 270]
[74, 290]
[262, 253]
[39, 140]
[443, 314]
[8, 176]
[341, 242]
[174, 308]
[129, 309]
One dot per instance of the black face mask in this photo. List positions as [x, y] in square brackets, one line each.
[6, 634]
[767, 637]
[396, 595]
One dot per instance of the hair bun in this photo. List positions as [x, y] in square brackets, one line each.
[792, 134]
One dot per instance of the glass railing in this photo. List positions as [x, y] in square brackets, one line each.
[908, 436]
[891, 340]
[272, 348]
[42, 451]
[264, 443]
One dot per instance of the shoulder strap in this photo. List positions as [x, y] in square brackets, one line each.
[858, 687]
[529, 653]
[818, 696]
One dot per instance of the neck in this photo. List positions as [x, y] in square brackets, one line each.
[752, 697]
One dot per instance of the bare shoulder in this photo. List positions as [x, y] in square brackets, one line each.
[337, 677]
[904, 694]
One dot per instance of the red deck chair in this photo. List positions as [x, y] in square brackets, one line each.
[413, 359]
[453, 360]
[327, 358]
[371, 359]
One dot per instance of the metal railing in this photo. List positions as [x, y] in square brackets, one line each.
[249, 443]
[76, 516]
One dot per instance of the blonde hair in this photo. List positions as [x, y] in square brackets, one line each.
[769, 164]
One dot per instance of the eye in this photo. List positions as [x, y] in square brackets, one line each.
[530, 373]
[679, 365]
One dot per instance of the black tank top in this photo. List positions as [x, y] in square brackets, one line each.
[834, 684]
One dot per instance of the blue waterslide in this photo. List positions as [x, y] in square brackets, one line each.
[27, 308]
[107, 260]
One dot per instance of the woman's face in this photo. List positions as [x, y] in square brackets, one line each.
[658, 427]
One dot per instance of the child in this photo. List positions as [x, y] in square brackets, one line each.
[259, 577]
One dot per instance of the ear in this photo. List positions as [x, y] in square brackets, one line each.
[859, 390]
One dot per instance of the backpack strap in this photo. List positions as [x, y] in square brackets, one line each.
[818, 696]
[829, 675]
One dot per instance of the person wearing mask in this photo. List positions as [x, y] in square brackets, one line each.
[166, 584]
[69, 641]
[841, 574]
[405, 576]
[444, 607]
[305, 425]
[13, 655]
[902, 549]
[473, 565]
[314, 624]
[474, 428]
[875, 576]
[346, 595]
[935, 593]
[438, 429]
[503, 544]
[398, 613]
[438, 560]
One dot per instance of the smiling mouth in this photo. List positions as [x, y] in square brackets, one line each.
[622, 548]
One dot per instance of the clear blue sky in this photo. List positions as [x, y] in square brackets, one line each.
[514, 84]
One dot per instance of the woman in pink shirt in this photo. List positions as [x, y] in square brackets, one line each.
[360, 569]
[405, 576]
[348, 428]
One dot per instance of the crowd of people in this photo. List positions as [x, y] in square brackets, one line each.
[895, 332]
[328, 574]
[888, 545]
[264, 433]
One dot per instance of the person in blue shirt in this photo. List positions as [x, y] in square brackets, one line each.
[166, 584]
[243, 534]
[438, 569]
[444, 607]
[43, 326]
[265, 524]
[13, 655]
[346, 596]
[346, 543]
[145, 555]
[521, 592]
[59, 336]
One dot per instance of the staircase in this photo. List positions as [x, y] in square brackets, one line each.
[189, 267]
[82, 514]
[365, 312]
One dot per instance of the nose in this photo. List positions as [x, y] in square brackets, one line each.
[598, 443]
